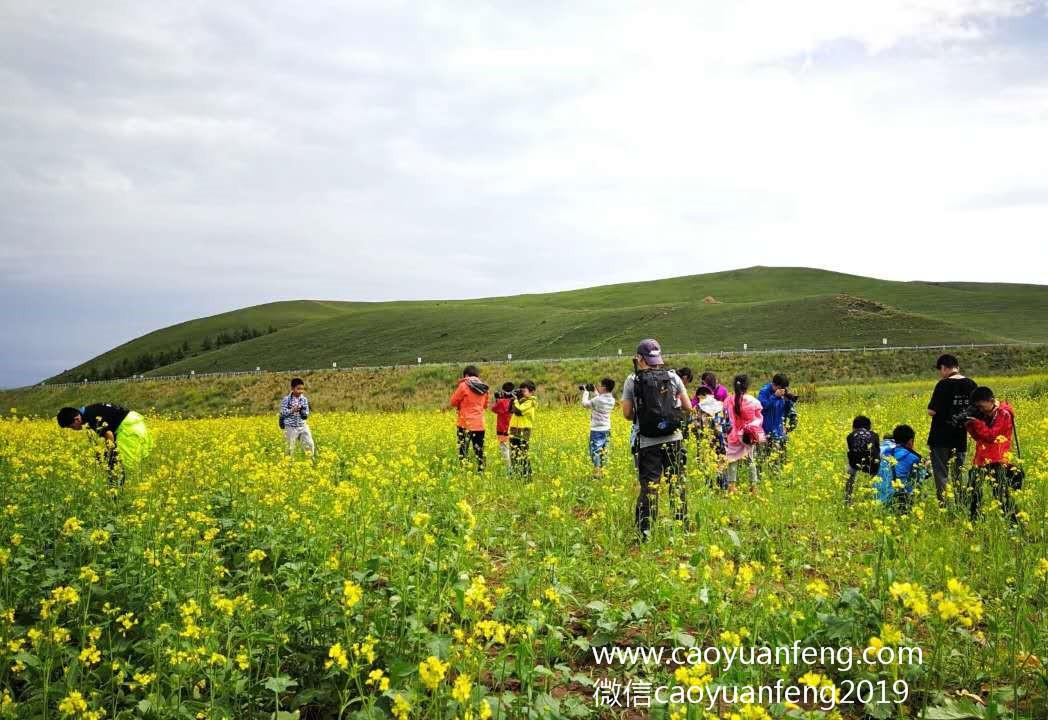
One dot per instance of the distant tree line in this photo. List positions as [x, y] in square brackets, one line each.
[144, 362]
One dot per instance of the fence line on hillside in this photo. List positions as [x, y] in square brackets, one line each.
[192, 375]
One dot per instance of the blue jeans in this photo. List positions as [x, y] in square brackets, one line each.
[599, 441]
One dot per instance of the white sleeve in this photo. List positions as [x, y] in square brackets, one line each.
[585, 399]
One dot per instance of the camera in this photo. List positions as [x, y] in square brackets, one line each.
[587, 386]
[961, 419]
[516, 393]
[792, 397]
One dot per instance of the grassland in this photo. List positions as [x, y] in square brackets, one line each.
[762, 307]
[412, 387]
[387, 580]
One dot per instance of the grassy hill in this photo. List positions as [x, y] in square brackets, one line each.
[763, 307]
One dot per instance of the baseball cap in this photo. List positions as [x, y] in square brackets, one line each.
[651, 351]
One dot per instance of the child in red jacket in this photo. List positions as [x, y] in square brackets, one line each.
[502, 414]
[991, 424]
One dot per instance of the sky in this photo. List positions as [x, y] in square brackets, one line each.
[164, 161]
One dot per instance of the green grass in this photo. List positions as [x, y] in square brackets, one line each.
[763, 307]
[420, 387]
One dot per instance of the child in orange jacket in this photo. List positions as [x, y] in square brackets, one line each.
[470, 399]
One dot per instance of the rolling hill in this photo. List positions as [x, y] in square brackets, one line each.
[760, 306]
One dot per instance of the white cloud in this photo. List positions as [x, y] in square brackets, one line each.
[158, 148]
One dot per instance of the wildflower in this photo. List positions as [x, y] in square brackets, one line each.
[351, 593]
[958, 604]
[818, 589]
[890, 635]
[125, 622]
[71, 526]
[912, 597]
[243, 661]
[143, 679]
[462, 688]
[256, 556]
[338, 657]
[73, 704]
[98, 537]
[401, 708]
[696, 676]
[90, 655]
[88, 575]
[378, 680]
[810, 679]
[1041, 571]
[366, 649]
[431, 671]
[476, 596]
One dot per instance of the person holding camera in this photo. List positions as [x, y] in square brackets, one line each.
[947, 439]
[523, 406]
[294, 412]
[655, 400]
[709, 380]
[991, 424]
[901, 470]
[780, 418]
[600, 406]
[864, 453]
[747, 432]
[500, 406]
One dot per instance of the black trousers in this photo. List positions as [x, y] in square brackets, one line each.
[1003, 479]
[474, 438]
[654, 464]
[520, 452]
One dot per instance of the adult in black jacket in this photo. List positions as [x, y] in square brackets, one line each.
[947, 439]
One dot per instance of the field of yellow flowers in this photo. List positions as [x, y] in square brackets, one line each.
[228, 581]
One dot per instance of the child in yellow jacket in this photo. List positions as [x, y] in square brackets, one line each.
[523, 407]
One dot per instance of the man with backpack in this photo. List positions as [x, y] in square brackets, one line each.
[294, 411]
[656, 401]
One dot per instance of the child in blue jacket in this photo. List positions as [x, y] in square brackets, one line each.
[780, 417]
[901, 471]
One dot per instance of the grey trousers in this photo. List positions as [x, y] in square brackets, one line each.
[946, 465]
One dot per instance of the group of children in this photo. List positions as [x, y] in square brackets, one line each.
[730, 430]
[896, 470]
[514, 408]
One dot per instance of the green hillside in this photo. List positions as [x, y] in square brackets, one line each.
[762, 307]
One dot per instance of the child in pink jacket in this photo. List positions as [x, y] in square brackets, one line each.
[747, 431]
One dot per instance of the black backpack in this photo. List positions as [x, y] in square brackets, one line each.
[864, 451]
[655, 397]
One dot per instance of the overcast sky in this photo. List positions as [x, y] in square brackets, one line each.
[161, 161]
